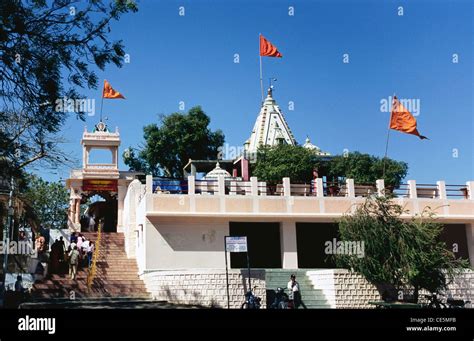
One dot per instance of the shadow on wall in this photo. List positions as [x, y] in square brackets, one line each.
[192, 237]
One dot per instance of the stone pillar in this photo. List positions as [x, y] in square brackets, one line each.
[72, 210]
[114, 152]
[350, 188]
[441, 189]
[149, 184]
[412, 189]
[191, 184]
[84, 157]
[470, 242]
[289, 255]
[286, 187]
[254, 185]
[244, 169]
[78, 211]
[380, 183]
[121, 191]
[319, 188]
[221, 185]
[470, 190]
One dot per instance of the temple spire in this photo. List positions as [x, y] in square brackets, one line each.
[270, 128]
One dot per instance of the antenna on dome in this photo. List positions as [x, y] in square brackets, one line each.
[270, 80]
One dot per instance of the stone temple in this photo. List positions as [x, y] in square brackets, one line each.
[165, 238]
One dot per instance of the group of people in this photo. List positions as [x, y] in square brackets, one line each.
[57, 256]
[80, 251]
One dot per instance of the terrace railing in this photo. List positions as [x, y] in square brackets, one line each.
[316, 188]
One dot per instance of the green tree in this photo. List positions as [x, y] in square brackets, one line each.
[49, 50]
[398, 253]
[169, 147]
[365, 168]
[275, 163]
[49, 202]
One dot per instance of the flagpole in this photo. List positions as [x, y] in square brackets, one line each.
[388, 138]
[261, 70]
[101, 105]
[261, 77]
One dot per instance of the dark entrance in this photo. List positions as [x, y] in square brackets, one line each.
[454, 235]
[310, 240]
[263, 240]
[101, 206]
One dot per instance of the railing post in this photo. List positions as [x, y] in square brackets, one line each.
[412, 189]
[191, 184]
[221, 185]
[319, 188]
[286, 187]
[149, 184]
[350, 188]
[254, 185]
[380, 184]
[441, 189]
[233, 188]
[470, 190]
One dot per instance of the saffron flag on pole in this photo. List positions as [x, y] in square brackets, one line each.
[402, 120]
[267, 49]
[109, 92]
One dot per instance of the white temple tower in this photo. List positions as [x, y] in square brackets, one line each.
[270, 128]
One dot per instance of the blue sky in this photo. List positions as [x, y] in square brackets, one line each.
[190, 58]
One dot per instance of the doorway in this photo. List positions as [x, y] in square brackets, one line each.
[101, 206]
[263, 243]
[310, 240]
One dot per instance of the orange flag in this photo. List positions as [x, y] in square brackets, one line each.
[109, 92]
[267, 49]
[402, 120]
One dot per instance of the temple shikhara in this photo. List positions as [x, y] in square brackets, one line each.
[271, 129]
[164, 238]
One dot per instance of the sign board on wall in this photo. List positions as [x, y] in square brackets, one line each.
[236, 244]
[99, 185]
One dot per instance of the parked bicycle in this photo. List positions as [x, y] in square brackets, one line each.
[251, 300]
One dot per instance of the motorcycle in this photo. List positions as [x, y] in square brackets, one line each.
[456, 304]
[434, 302]
[281, 301]
[251, 301]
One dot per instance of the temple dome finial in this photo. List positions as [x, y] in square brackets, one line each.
[270, 91]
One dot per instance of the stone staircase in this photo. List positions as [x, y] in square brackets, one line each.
[311, 297]
[116, 275]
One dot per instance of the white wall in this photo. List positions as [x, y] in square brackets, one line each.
[185, 244]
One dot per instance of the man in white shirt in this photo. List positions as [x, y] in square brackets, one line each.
[294, 289]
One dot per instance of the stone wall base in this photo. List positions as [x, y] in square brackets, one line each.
[206, 287]
[346, 289]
